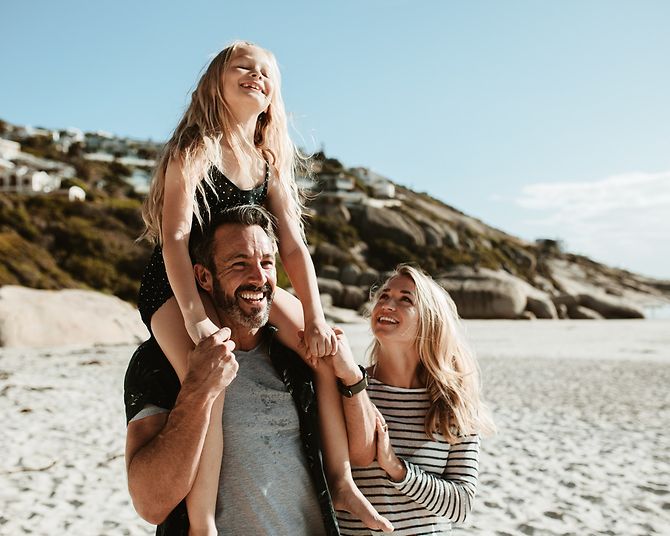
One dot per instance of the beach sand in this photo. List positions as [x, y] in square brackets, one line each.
[582, 408]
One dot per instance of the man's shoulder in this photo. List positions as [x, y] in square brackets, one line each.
[149, 379]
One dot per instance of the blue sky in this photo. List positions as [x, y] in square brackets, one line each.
[542, 118]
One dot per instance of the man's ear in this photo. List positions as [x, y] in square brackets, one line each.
[203, 276]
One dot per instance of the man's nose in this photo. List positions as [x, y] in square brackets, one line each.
[257, 274]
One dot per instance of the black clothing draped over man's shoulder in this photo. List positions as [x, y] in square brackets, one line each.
[150, 379]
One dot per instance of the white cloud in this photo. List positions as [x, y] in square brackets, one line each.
[622, 220]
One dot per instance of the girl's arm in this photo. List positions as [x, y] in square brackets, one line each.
[176, 227]
[449, 495]
[320, 339]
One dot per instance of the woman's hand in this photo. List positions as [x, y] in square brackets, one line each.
[386, 456]
[320, 340]
[201, 330]
[344, 364]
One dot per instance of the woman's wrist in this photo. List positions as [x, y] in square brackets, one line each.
[398, 470]
[351, 376]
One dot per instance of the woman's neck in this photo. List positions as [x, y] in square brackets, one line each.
[398, 367]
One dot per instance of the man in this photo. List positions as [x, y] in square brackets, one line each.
[268, 484]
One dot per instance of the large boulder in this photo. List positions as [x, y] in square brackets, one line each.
[578, 312]
[541, 306]
[595, 291]
[379, 222]
[41, 318]
[327, 253]
[328, 271]
[609, 306]
[331, 287]
[352, 297]
[484, 293]
[368, 278]
[349, 274]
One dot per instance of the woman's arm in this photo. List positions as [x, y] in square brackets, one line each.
[360, 413]
[176, 228]
[449, 495]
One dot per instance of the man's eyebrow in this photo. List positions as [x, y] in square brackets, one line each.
[236, 256]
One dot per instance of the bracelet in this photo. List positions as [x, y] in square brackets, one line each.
[351, 390]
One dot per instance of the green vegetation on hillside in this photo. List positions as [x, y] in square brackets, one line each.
[49, 242]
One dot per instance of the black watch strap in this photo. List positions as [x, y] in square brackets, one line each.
[351, 390]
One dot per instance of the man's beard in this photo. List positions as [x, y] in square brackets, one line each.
[256, 318]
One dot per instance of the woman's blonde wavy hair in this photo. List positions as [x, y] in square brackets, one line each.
[447, 363]
[197, 140]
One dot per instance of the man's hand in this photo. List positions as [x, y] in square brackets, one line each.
[212, 364]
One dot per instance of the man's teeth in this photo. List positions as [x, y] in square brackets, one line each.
[253, 296]
[387, 319]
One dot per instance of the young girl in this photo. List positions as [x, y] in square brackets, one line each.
[417, 450]
[230, 148]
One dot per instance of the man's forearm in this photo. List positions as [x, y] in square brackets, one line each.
[162, 471]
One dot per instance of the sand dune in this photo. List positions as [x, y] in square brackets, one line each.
[582, 407]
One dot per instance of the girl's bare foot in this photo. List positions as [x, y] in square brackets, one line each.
[348, 497]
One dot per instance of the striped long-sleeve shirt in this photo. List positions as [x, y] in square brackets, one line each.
[441, 479]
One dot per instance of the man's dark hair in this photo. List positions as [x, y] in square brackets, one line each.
[202, 240]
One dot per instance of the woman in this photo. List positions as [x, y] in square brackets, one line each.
[414, 434]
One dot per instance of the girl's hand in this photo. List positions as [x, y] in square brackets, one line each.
[386, 456]
[201, 330]
[320, 339]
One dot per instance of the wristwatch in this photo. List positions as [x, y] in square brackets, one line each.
[351, 390]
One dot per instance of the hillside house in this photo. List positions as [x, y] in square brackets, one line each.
[339, 182]
[9, 149]
[381, 187]
[26, 180]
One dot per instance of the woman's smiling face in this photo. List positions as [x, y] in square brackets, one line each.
[395, 316]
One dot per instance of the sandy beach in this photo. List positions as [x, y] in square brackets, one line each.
[582, 408]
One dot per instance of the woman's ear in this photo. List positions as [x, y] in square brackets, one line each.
[203, 276]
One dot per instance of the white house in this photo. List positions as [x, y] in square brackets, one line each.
[381, 186]
[25, 180]
[336, 182]
[9, 149]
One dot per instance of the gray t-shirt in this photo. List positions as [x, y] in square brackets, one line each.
[265, 485]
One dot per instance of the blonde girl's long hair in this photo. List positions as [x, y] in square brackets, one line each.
[447, 362]
[207, 122]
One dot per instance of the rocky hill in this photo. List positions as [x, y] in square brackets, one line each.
[360, 225]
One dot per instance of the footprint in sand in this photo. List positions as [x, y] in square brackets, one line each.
[554, 515]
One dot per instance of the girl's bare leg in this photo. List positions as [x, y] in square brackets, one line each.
[167, 325]
[287, 316]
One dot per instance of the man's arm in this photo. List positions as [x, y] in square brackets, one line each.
[163, 451]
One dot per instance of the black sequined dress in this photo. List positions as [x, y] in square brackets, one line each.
[155, 288]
